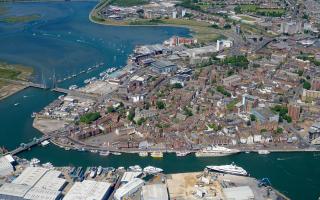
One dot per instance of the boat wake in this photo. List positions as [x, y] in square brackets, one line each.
[288, 158]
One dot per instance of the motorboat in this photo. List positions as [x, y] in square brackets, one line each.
[93, 172]
[34, 162]
[104, 153]
[263, 152]
[116, 153]
[135, 168]
[99, 171]
[152, 170]
[229, 169]
[143, 154]
[73, 87]
[182, 153]
[157, 154]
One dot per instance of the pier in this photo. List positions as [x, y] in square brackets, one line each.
[24, 147]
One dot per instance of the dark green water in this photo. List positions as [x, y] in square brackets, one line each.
[295, 174]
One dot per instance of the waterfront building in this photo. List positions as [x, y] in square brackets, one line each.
[314, 131]
[35, 183]
[128, 189]
[154, 192]
[89, 190]
[162, 66]
[129, 176]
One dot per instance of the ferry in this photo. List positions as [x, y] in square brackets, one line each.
[135, 168]
[143, 154]
[263, 152]
[212, 151]
[73, 87]
[182, 153]
[99, 171]
[104, 153]
[93, 172]
[152, 170]
[229, 169]
[157, 154]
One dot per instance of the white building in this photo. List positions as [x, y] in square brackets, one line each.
[88, 190]
[128, 189]
[154, 192]
[6, 167]
[221, 44]
[129, 176]
[36, 183]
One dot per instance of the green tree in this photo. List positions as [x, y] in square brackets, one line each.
[161, 105]
[88, 118]
[306, 85]
[253, 117]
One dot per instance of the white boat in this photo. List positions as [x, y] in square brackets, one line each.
[16, 104]
[67, 148]
[157, 154]
[99, 171]
[33, 115]
[229, 169]
[182, 153]
[135, 168]
[116, 153]
[94, 151]
[152, 170]
[48, 165]
[73, 87]
[93, 172]
[212, 151]
[263, 152]
[34, 162]
[104, 153]
[143, 154]
[86, 81]
[45, 143]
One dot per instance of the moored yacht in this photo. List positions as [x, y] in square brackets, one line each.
[212, 151]
[157, 154]
[229, 169]
[104, 153]
[182, 153]
[143, 154]
[135, 168]
[152, 170]
[263, 152]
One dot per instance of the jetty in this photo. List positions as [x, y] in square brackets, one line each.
[25, 83]
[75, 93]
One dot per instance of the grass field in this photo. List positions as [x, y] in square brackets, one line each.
[20, 19]
[15, 72]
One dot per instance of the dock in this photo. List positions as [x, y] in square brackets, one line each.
[76, 93]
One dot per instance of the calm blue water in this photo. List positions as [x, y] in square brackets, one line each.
[65, 42]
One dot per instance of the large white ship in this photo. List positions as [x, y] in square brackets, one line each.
[212, 151]
[229, 169]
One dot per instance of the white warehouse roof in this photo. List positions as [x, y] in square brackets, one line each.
[5, 167]
[128, 189]
[30, 176]
[128, 176]
[238, 193]
[88, 190]
[41, 194]
[154, 192]
[11, 189]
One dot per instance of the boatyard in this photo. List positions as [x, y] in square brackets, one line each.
[37, 181]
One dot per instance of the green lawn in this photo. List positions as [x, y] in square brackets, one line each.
[10, 71]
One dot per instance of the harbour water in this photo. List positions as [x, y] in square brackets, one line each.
[82, 44]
